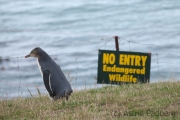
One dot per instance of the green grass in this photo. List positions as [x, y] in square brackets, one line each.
[133, 101]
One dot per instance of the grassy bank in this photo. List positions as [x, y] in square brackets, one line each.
[133, 101]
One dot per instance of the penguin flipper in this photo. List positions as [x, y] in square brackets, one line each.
[47, 81]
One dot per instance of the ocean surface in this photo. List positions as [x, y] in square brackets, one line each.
[72, 32]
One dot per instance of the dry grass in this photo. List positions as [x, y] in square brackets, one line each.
[132, 101]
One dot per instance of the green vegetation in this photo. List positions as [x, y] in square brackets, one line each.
[131, 101]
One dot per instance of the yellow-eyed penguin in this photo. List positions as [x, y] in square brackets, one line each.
[54, 79]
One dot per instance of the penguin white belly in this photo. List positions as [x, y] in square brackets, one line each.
[39, 68]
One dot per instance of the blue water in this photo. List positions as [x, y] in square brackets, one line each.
[72, 33]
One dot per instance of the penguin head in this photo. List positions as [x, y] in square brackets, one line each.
[36, 52]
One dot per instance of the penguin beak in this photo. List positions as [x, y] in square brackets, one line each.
[27, 56]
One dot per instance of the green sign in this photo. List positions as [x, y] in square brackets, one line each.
[116, 67]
